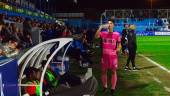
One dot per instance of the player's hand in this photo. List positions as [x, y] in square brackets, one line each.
[117, 50]
[100, 27]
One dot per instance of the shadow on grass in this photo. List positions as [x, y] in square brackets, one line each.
[138, 86]
[147, 67]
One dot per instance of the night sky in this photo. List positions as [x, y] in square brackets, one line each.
[92, 8]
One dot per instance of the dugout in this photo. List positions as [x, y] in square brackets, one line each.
[35, 55]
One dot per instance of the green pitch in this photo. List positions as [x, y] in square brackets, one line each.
[142, 82]
[155, 47]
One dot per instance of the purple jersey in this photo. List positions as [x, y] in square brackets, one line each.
[109, 42]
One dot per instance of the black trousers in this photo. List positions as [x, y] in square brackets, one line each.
[131, 56]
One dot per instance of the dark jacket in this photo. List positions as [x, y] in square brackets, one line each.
[131, 36]
[124, 33]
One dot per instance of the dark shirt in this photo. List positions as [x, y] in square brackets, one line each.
[124, 33]
[4, 35]
[131, 36]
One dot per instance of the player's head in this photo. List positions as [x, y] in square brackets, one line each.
[111, 22]
[32, 73]
[126, 26]
[111, 25]
[132, 27]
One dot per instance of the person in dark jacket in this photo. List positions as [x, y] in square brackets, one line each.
[124, 38]
[4, 35]
[132, 47]
[27, 28]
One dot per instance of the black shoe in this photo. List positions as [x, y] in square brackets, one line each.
[135, 69]
[104, 90]
[127, 68]
[112, 92]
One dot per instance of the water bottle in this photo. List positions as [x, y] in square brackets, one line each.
[104, 26]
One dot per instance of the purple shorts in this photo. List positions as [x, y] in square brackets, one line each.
[109, 62]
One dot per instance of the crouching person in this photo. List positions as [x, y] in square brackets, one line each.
[68, 84]
[88, 85]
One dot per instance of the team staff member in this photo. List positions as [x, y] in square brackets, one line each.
[124, 38]
[132, 47]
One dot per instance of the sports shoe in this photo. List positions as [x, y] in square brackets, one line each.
[127, 68]
[135, 69]
[104, 90]
[112, 92]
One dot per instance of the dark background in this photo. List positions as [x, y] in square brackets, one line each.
[93, 8]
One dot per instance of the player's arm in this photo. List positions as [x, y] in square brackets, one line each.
[97, 35]
[119, 44]
[118, 47]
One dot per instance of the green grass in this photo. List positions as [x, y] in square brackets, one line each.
[129, 83]
[156, 48]
[136, 83]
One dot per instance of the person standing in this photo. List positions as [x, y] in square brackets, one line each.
[124, 39]
[132, 47]
[110, 46]
[27, 28]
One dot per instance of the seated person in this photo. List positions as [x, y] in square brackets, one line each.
[65, 84]
[88, 86]
[53, 78]
[10, 49]
[33, 77]
[61, 83]
[81, 53]
[50, 79]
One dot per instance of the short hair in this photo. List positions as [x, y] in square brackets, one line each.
[29, 71]
[112, 20]
[126, 24]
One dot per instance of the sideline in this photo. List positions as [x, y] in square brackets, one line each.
[155, 63]
[161, 67]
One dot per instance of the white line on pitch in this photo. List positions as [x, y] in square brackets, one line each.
[155, 63]
[157, 80]
[150, 73]
[154, 78]
[167, 89]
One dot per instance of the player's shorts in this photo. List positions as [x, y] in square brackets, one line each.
[109, 61]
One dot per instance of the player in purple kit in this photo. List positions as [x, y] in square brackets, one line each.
[110, 47]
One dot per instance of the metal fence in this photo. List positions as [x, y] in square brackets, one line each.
[138, 13]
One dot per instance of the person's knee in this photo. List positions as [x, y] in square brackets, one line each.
[91, 86]
[94, 81]
[94, 85]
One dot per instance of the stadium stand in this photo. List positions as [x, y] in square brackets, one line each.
[147, 21]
